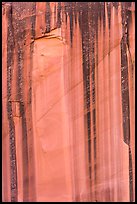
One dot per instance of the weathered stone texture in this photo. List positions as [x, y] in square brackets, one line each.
[68, 101]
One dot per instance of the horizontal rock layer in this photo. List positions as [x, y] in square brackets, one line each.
[68, 101]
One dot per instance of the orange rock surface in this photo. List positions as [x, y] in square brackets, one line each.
[68, 101]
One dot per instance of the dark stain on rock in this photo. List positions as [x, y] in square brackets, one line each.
[83, 9]
[65, 11]
[55, 14]
[93, 19]
[75, 11]
[130, 175]
[109, 14]
[102, 14]
[96, 82]
[129, 19]
[30, 131]
[126, 5]
[20, 34]
[86, 73]
[10, 60]
[25, 154]
[47, 17]
[33, 20]
[59, 15]
[125, 91]
[93, 59]
[115, 4]
[69, 11]
[71, 25]
[94, 121]
[124, 80]
[24, 125]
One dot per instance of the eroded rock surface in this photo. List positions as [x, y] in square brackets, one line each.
[68, 101]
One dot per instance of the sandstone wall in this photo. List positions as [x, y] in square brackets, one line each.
[68, 101]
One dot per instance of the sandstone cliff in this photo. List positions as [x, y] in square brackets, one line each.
[68, 101]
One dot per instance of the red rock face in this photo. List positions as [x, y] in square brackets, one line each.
[68, 80]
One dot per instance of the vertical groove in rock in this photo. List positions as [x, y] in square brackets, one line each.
[10, 60]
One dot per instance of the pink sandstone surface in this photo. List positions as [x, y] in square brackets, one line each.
[68, 101]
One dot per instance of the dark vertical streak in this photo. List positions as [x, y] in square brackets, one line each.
[27, 134]
[96, 82]
[94, 125]
[124, 81]
[115, 4]
[20, 34]
[103, 15]
[75, 12]
[71, 24]
[47, 17]
[59, 15]
[109, 13]
[69, 11]
[93, 19]
[65, 11]
[13, 162]
[125, 91]
[24, 124]
[33, 20]
[89, 139]
[130, 175]
[128, 42]
[86, 73]
[55, 14]
[25, 155]
[32, 183]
